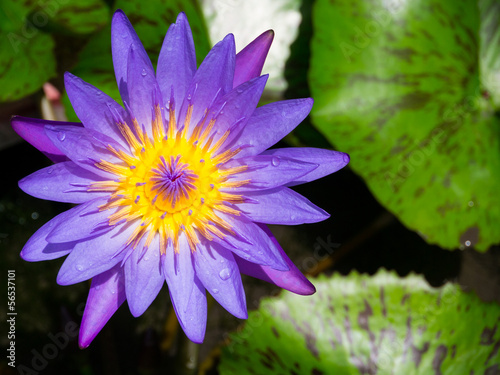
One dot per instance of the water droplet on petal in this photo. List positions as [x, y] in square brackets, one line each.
[61, 136]
[49, 171]
[283, 113]
[275, 161]
[169, 48]
[79, 267]
[98, 93]
[113, 292]
[97, 287]
[215, 291]
[189, 97]
[143, 73]
[225, 273]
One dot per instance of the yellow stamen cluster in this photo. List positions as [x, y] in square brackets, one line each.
[137, 190]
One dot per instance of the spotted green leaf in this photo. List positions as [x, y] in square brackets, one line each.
[151, 20]
[26, 62]
[369, 325]
[397, 86]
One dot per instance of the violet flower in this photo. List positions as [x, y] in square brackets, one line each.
[176, 185]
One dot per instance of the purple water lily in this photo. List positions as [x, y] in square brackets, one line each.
[176, 185]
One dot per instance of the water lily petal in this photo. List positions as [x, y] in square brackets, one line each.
[123, 36]
[281, 206]
[107, 293]
[251, 243]
[87, 221]
[250, 60]
[83, 147]
[143, 90]
[61, 182]
[212, 80]
[38, 248]
[33, 131]
[219, 274]
[94, 108]
[284, 117]
[186, 291]
[269, 171]
[177, 62]
[292, 280]
[94, 256]
[143, 277]
[328, 161]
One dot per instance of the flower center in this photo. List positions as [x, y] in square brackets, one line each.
[171, 183]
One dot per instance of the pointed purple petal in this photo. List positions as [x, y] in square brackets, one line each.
[94, 108]
[281, 206]
[186, 291]
[61, 182]
[86, 221]
[232, 111]
[32, 130]
[193, 320]
[142, 86]
[211, 81]
[329, 161]
[143, 277]
[107, 293]
[94, 256]
[250, 60]
[37, 248]
[268, 171]
[292, 280]
[83, 147]
[219, 274]
[250, 242]
[123, 36]
[177, 61]
[284, 117]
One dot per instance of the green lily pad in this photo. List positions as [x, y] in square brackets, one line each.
[397, 86]
[76, 16]
[368, 325]
[151, 20]
[26, 62]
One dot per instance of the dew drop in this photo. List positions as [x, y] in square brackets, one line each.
[79, 267]
[215, 291]
[98, 93]
[49, 171]
[169, 48]
[471, 204]
[97, 287]
[239, 91]
[145, 258]
[283, 113]
[61, 136]
[467, 243]
[275, 161]
[124, 35]
[189, 97]
[143, 73]
[113, 291]
[225, 273]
